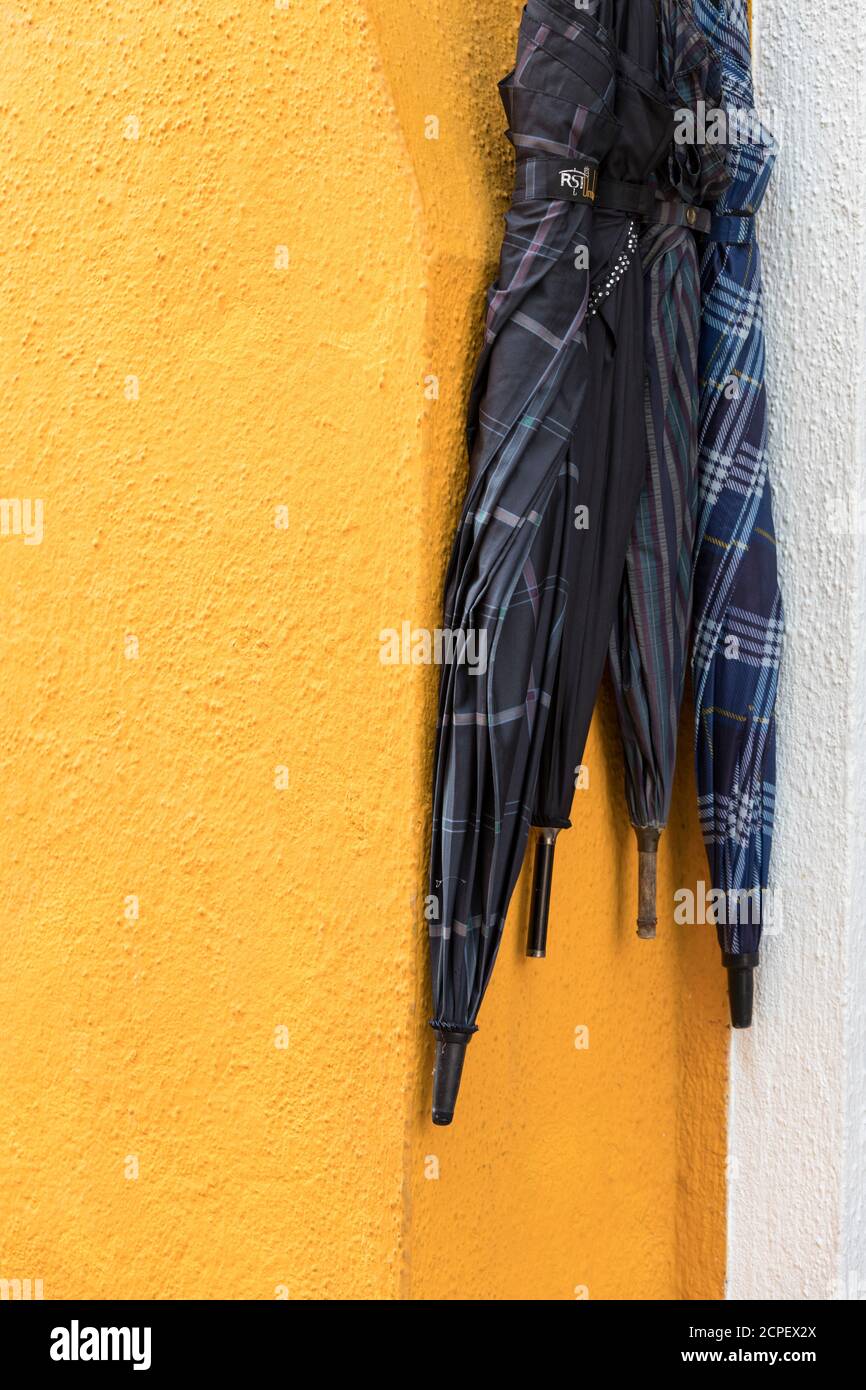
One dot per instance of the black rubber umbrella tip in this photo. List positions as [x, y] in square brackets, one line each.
[741, 988]
[740, 996]
[450, 1056]
[536, 945]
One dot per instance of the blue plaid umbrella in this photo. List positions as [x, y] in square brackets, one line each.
[738, 609]
[524, 584]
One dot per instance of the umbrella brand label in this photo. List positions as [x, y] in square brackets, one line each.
[581, 183]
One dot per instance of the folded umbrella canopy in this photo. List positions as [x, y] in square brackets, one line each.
[610, 448]
[649, 643]
[738, 608]
[509, 588]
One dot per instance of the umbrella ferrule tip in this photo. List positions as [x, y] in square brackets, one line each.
[451, 1044]
[741, 993]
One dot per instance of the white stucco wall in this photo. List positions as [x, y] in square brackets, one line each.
[797, 1126]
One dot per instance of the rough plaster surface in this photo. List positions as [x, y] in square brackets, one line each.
[796, 1219]
[261, 1169]
[151, 1037]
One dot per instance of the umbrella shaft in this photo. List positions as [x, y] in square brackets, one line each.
[541, 887]
[647, 866]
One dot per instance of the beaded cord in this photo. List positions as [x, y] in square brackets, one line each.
[620, 266]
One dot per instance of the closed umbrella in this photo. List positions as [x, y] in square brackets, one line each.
[649, 644]
[610, 447]
[738, 608]
[509, 580]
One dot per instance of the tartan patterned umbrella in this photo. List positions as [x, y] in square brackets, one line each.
[508, 584]
[504, 587]
[651, 423]
[649, 644]
[738, 608]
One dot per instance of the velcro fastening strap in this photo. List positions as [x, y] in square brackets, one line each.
[570, 180]
[637, 199]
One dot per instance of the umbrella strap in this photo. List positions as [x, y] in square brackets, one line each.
[675, 213]
[614, 195]
[734, 228]
[642, 200]
[544, 177]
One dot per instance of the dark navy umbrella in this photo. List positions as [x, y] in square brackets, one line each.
[548, 409]
[504, 590]
[650, 642]
[610, 447]
[738, 607]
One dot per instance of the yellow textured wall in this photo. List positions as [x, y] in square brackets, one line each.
[231, 257]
